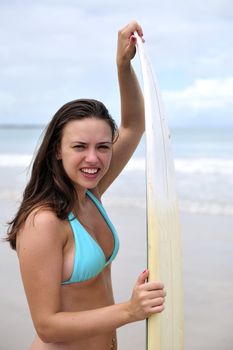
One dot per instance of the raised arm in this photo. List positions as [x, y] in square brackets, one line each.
[132, 105]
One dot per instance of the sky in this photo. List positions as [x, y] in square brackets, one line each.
[54, 51]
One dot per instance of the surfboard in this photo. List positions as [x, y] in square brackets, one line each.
[164, 330]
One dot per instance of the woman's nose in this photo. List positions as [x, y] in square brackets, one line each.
[91, 156]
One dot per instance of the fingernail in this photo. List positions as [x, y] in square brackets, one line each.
[144, 271]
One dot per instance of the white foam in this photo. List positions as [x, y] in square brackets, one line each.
[206, 208]
[184, 205]
[15, 160]
[191, 166]
[205, 166]
[10, 195]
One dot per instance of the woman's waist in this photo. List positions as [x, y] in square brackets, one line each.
[87, 295]
[105, 341]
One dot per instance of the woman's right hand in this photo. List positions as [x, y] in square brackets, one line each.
[147, 298]
[127, 41]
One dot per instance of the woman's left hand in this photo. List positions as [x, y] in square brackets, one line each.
[126, 42]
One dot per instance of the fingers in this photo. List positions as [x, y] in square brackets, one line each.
[143, 277]
[156, 294]
[127, 33]
[127, 42]
[154, 285]
[151, 286]
[152, 302]
[130, 28]
[157, 309]
[147, 298]
[152, 295]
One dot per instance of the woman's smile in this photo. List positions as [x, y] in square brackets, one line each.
[90, 173]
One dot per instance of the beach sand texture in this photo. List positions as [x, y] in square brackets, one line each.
[208, 275]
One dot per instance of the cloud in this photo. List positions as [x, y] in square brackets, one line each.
[54, 51]
[210, 99]
[204, 94]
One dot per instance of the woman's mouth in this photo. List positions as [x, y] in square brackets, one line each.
[90, 172]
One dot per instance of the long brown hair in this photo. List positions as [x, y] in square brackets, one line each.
[49, 186]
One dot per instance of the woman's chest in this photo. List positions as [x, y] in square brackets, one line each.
[96, 226]
[90, 245]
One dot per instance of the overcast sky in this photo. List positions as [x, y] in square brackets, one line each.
[53, 51]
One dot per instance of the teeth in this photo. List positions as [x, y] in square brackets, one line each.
[89, 171]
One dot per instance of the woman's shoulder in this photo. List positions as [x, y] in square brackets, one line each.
[42, 224]
[43, 216]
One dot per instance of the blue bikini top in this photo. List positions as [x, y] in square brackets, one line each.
[89, 259]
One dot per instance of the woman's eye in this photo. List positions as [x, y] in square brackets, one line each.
[104, 148]
[79, 147]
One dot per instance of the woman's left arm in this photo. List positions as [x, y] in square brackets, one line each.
[132, 105]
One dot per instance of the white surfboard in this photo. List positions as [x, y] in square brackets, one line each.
[165, 330]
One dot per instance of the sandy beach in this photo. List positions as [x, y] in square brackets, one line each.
[208, 274]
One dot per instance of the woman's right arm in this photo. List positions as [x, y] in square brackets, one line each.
[40, 246]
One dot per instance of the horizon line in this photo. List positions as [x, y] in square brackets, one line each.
[21, 126]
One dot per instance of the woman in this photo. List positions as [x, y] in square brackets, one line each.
[63, 237]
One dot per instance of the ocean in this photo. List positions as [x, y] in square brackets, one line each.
[203, 162]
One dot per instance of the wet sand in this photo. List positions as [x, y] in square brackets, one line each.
[208, 274]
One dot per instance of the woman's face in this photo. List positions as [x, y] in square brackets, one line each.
[86, 151]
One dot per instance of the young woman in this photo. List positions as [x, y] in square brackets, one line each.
[63, 237]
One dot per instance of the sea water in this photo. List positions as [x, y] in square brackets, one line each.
[203, 163]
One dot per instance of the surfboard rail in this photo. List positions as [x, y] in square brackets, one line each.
[165, 330]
